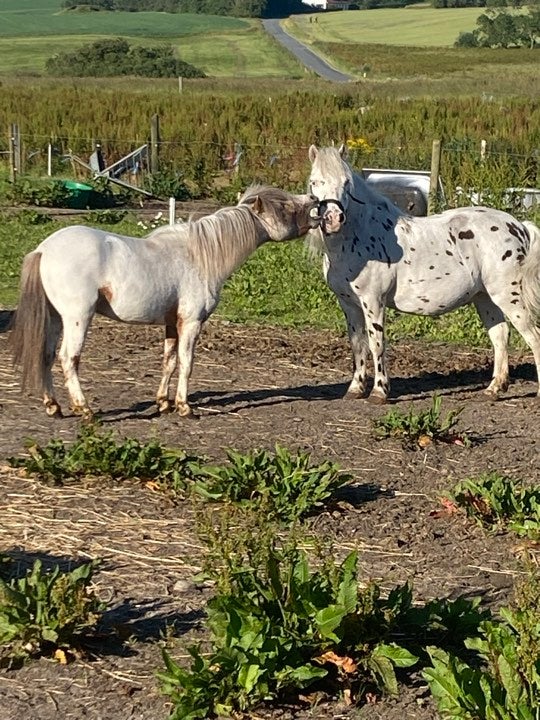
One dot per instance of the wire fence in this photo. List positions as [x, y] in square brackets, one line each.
[206, 168]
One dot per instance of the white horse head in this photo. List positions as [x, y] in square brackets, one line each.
[331, 181]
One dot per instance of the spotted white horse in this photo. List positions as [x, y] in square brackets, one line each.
[172, 277]
[376, 256]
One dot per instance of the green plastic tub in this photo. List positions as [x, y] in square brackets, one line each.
[80, 194]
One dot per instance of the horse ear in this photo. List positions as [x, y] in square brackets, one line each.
[343, 150]
[313, 152]
[256, 204]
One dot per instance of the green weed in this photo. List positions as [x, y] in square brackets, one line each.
[97, 453]
[281, 623]
[498, 502]
[506, 685]
[422, 427]
[288, 486]
[45, 611]
[279, 626]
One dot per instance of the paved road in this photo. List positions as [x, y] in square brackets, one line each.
[306, 56]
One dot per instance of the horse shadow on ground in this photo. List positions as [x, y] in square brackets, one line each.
[146, 621]
[404, 389]
[6, 316]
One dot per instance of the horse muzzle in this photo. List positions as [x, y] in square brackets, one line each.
[332, 215]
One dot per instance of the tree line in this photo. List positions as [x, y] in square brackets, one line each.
[236, 8]
[499, 27]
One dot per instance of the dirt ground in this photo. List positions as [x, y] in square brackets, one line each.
[254, 387]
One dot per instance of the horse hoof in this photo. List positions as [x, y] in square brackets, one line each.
[54, 410]
[84, 411]
[355, 395]
[186, 411]
[377, 399]
[164, 407]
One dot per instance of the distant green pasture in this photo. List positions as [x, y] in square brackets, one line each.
[31, 31]
[38, 19]
[232, 54]
[416, 26]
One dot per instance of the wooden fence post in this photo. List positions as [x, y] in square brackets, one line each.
[483, 149]
[180, 85]
[434, 175]
[154, 145]
[14, 151]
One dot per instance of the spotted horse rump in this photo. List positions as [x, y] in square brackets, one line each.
[376, 256]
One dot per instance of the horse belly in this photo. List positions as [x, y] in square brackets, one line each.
[433, 298]
[143, 308]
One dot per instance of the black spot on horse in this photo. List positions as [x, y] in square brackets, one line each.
[507, 254]
[378, 327]
[449, 252]
[466, 235]
[494, 228]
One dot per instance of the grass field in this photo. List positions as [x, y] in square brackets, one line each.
[412, 26]
[32, 32]
[40, 19]
[247, 53]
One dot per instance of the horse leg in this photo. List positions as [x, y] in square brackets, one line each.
[494, 322]
[522, 320]
[75, 330]
[357, 337]
[170, 358]
[52, 407]
[188, 333]
[374, 315]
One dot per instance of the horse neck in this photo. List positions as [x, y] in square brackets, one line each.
[364, 201]
[221, 242]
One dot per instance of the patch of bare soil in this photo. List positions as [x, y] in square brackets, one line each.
[254, 387]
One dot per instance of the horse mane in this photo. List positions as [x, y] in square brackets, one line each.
[219, 242]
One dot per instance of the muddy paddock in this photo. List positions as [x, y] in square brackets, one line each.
[254, 387]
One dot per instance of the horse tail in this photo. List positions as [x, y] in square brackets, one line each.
[530, 268]
[30, 325]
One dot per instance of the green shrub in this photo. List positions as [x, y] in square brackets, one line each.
[112, 57]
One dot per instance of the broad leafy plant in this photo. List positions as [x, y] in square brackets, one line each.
[422, 427]
[98, 453]
[288, 485]
[279, 626]
[46, 610]
[505, 685]
[498, 502]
